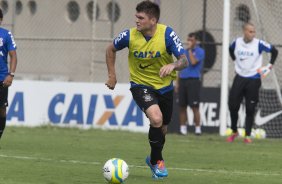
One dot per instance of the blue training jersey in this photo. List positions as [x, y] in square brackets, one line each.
[7, 43]
[193, 71]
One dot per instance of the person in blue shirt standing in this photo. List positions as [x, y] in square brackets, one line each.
[188, 84]
[7, 48]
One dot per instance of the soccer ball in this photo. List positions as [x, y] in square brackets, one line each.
[260, 133]
[242, 132]
[115, 171]
[253, 133]
[228, 132]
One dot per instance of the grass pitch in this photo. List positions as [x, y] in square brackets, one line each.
[49, 155]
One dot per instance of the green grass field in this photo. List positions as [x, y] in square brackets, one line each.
[71, 156]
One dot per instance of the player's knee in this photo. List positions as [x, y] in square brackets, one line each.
[234, 107]
[250, 111]
[157, 120]
[2, 112]
[183, 108]
[250, 108]
[195, 109]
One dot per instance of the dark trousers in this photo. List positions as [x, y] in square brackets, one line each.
[247, 88]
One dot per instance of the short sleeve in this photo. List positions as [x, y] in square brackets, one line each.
[233, 44]
[122, 40]
[173, 43]
[11, 44]
[264, 46]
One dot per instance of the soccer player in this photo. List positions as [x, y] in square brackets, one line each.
[7, 47]
[246, 52]
[188, 84]
[152, 71]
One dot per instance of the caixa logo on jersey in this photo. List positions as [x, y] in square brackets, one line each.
[86, 112]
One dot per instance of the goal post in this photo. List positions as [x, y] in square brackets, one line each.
[224, 74]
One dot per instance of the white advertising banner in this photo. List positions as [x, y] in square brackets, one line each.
[68, 104]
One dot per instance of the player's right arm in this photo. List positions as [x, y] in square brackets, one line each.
[110, 60]
[119, 43]
[232, 49]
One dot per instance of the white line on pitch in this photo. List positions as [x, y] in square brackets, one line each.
[277, 173]
[50, 160]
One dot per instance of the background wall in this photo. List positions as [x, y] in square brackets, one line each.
[60, 40]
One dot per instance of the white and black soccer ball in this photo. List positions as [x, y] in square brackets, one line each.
[115, 171]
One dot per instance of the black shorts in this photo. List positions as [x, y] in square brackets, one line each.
[145, 97]
[3, 95]
[189, 92]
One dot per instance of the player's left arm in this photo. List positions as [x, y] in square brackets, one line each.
[178, 65]
[13, 61]
[174, 46]
[266, 47]
[263, 46]
[274, 54]
[11, 47]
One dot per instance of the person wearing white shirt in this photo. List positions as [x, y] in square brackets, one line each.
[246, 52]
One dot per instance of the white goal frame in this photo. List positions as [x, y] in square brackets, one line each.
[224, 69]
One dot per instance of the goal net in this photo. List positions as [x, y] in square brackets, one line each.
[267, 17]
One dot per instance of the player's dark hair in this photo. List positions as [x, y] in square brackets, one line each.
[1, 14]
[149, 8]
[193, 35]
